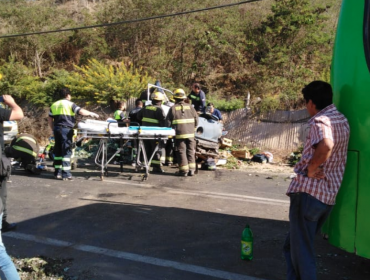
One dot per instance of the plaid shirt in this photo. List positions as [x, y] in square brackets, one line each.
[328, 123]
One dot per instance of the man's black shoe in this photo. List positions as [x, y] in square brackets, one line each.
[8, 227]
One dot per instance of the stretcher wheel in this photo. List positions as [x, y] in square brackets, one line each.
[145, 177]
[102, 177]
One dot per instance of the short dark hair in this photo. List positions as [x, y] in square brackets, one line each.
[119, 104]
[196, 85]
[210, 104]
[138, 102]
[320, 92]
[63, 92]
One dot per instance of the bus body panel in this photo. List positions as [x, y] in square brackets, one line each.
[350, 78]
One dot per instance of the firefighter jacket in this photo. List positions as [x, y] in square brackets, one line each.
[23, 145]
[152, 115]
[184, 119]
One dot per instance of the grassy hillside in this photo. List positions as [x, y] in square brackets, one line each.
[268, 48]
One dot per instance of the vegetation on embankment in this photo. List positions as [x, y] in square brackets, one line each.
[268, 48]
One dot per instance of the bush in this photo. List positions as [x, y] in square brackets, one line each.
[100, 83]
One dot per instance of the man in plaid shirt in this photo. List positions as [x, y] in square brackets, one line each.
[319, 175]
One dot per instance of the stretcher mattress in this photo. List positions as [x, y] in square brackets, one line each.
[106, 128]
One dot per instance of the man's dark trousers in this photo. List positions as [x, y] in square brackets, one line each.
[306, 215]
[63, 151]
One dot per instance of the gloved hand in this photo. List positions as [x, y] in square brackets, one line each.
[94, 115]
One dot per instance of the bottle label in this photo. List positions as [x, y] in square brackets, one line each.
[247, 248]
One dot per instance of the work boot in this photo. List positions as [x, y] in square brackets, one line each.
[157, 170]
[182, 174]
[191, 173]
[8, 227]
[58, 176]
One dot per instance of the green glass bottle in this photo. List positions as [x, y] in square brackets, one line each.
[247, 244]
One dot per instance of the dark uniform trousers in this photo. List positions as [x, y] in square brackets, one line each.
[169, 152]
[63, 151]
[185, 154]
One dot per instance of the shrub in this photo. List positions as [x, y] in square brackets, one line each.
[100, 83]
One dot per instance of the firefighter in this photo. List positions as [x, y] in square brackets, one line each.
[24, 148]
[153, 115]
[61, 122]
[184, 119]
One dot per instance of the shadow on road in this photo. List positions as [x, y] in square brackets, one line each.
[187, 236]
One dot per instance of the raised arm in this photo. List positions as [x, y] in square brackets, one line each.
[17, 112]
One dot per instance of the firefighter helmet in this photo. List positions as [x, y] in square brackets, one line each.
[157, 96]
[179, 94]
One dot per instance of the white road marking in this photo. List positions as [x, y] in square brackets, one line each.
[132, 257]
[227, 196]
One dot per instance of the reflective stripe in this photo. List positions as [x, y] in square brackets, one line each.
[66, 168]
[150, 120]
[21, 149]
[26, 138]
[57, 166]
[177, 108]
[184, 168]
[183, 121]
[192, 165]
[66, 159]
[163, 158]
[185, 136]
[155, 161]
[58, 158]
[169, 158]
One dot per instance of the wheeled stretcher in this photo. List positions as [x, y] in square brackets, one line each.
[106, 130]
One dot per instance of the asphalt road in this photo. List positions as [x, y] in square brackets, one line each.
[164, 228]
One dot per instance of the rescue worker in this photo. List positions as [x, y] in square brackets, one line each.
[24, 148]
[153, 115]
[133, 113]
[184, 119]
[198, 98]
[61, 121]
[119, 114]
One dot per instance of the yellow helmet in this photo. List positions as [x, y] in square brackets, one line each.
[179, 94]
[157, 96]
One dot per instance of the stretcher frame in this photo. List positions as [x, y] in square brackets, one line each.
[103, 148]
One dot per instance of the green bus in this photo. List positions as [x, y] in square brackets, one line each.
[348, 226]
